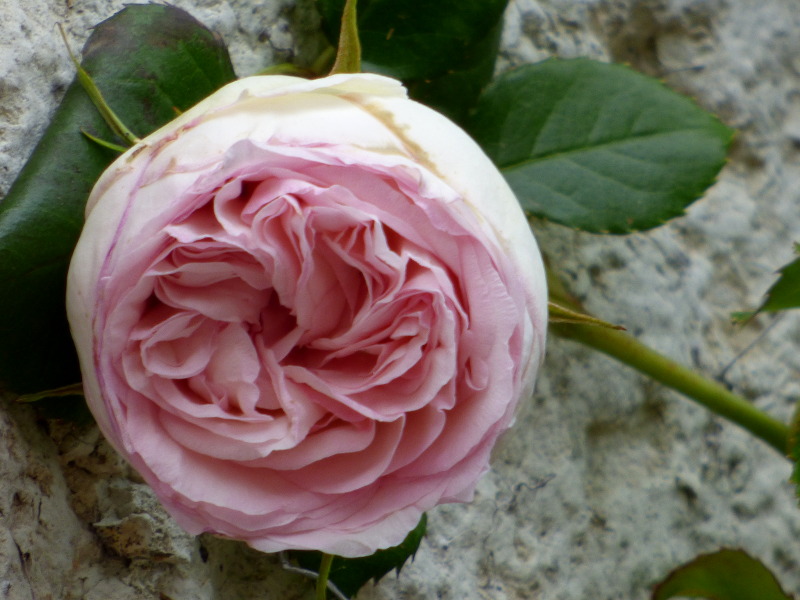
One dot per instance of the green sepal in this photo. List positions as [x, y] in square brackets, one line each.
[558, 313]
[348, 54]
[96, 96]
[103, 143]
[444, 51]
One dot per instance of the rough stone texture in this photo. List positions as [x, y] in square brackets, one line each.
[608, 481]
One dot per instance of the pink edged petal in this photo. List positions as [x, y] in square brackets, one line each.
[422, 428]
[230, 201]
[218, 440]
[342, 473]
[194, 399]
[176, 471]
[208, 262]
[471, 421]
[214, 290]
[340, 438]
[234, 367]
[389, 531]
[378, 518]
[314, 388]
[178, 347]
[275, 524]
[302, 409]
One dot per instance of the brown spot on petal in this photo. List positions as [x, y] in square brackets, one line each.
[413, 150]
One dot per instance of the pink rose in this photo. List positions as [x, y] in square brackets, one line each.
[305, 311]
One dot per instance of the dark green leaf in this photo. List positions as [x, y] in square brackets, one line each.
[64, 408]
[455, 92]
[723, 575]
[412, 39]
[148, 60]
[443, 50]
[785, 293]
[596, 146]
[350, 574]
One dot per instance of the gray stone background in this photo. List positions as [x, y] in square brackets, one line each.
[608, 481]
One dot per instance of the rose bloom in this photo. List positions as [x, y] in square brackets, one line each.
[305, 311]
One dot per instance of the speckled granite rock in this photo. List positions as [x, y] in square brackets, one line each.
[608, 481]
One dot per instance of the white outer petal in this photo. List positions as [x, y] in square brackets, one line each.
[265, 86]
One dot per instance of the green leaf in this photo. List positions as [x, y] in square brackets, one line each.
[597, 146]
[148, 60]
[350, 574]
[785, 293]
[724, 575]
[455, 92]
[443, 50]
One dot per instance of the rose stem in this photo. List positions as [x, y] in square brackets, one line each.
[324, 573]
[710, 394]
[628, 350]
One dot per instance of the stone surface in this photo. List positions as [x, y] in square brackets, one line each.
[608, 481]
